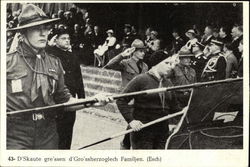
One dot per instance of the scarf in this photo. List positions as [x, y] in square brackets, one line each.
[40, 80]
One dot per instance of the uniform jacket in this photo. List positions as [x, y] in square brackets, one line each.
[128, 67]
[29, 89]
[183, 75]
[215, 68]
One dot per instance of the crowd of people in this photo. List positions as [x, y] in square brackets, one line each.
[144, 62]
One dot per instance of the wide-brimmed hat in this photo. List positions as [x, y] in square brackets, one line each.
[138, 44]
[31, 16]
[190, 31]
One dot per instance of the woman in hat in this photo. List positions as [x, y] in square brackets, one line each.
[191, 34]
[107, 45]
[154, 44]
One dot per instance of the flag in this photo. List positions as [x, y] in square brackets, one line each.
[214, 119]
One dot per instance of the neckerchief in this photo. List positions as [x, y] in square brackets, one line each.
[40, 79]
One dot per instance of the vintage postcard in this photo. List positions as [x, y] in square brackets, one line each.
[124, 83]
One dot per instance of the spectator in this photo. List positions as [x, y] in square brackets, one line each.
[177, 43]
[232, 62]
[199, 60]
[223, 35]
[183, 74]
[215, 33]
[192, 41]
[237, 36]
[154, 44]
[97, 37]
[215, 68]
[106, 49]
[128, 37]
[76, 37]
[73, 81]
[208, 36]
[157, 56]
[240, 68]
[147, 39]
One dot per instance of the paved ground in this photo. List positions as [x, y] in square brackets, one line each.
[92, 125]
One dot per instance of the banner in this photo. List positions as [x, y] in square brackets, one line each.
[214, 119]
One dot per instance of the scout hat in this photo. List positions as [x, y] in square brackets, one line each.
[30, 16]
[138, 44]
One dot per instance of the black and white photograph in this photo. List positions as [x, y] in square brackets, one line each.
[119, 77]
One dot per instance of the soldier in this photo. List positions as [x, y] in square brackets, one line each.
[34, 79]
[215, 68]
[183, 75]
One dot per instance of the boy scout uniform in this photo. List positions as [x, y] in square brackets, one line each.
[33, 80]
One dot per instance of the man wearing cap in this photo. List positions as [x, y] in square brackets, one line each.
[73, 80]
[149, 107]
[215, 68]
[129, 67]
[34, 79]
[183, 75]
[199, 60]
